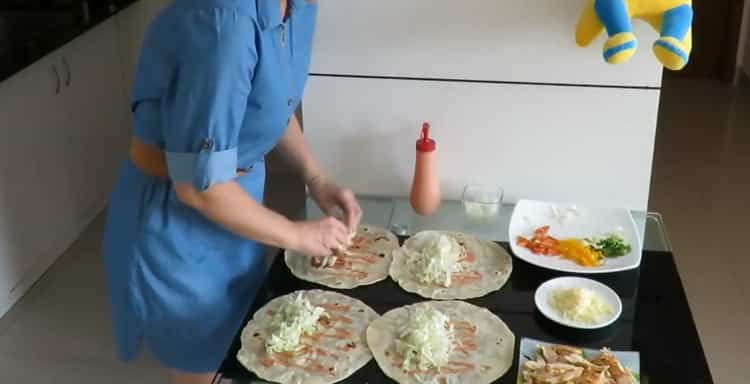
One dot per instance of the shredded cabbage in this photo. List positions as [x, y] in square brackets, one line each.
[425, 340]
[580, 304]
[295, 317]
[438, 260]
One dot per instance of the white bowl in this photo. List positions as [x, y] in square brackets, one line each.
[543, 293]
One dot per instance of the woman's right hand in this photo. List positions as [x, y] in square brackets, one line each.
[320, 237]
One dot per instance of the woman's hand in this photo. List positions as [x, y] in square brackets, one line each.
[320, 237]
[331, 198]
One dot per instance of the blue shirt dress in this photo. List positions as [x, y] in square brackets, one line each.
[216, 84]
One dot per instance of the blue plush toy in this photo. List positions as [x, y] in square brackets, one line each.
[673, 19]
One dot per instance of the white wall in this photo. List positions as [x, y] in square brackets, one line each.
[509, 40]
[535, 141]
[538, 115]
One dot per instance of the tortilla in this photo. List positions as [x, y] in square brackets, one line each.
[487, 266]
[332, 354]
[365, 262]
[482, 352]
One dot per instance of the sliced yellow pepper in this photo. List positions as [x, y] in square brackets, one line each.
[576, 250]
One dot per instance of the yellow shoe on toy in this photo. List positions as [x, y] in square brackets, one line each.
[620, 48]
[671, 52]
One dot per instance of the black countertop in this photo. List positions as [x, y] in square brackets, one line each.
[30, 29]
[656, 318]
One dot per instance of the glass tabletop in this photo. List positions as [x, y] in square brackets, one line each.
[397, 215]
[656, 320]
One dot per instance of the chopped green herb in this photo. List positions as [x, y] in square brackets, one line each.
[612, 245]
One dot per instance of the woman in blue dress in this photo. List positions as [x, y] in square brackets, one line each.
[216, 87]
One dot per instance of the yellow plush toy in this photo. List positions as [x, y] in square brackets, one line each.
[673, 19]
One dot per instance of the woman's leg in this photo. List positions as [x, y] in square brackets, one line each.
[177, 377]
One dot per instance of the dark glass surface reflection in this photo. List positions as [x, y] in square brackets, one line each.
[656, 319]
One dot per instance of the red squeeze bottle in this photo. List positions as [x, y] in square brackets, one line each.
[425, 189]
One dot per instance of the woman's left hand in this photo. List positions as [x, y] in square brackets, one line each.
[332, 198]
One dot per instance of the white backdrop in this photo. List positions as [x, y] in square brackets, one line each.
[540, 116]
[510, 40]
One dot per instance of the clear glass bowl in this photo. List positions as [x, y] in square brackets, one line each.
[482, 201]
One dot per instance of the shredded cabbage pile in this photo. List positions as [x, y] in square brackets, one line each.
[425, 340]
[437, 261]
[295, 317]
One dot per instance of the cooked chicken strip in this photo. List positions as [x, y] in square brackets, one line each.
[534, 364]
[555, 373]
[618, 373]
[578, 360]
[564, 350]
[593, 374]
[549, 354]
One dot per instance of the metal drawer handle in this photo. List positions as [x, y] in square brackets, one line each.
[57, 80]
[67, 71]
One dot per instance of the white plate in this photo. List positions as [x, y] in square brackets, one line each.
[543, 293]
[527, 351]
[529, 215]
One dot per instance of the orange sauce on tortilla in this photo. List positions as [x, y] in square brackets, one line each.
[361, 259]
[452, 367]
[334, 307]
[468, 257]
[465, 278]
[313, 366]
[465, 326]
[344, 263]
[339, 333]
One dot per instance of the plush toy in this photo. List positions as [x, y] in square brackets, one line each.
[673, 19]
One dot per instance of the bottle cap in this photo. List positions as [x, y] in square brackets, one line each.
[425, 143]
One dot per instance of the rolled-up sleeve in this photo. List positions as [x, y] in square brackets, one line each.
[207, 98]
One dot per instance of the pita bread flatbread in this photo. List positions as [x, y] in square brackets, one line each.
[365, 262]
[333, 353]
[486, 268]
[482, 349]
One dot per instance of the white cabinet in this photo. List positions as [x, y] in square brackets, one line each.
[66, 127]
[64, 131]
[31, 115]
[97, 131]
